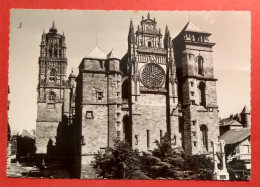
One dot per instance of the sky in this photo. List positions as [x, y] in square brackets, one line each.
[231, 31]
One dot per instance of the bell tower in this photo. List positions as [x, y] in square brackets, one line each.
[153, 86]
[52, 75]
[197, 89]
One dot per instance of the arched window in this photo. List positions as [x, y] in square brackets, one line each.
[50, 52]
[52, 77]
[127, 129]
[202, 94]
[52, 97]
[125, 90]
[200, 65]
[55, 52]
[204, 136]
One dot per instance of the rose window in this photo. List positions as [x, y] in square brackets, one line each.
[152, 76]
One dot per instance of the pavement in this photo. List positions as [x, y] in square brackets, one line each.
[16, 170]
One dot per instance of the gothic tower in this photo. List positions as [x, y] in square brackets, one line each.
[149, 70]
[197, 89]
[52, 76]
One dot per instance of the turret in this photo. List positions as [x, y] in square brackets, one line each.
[113, 62]
[72, 78]
[245, 117]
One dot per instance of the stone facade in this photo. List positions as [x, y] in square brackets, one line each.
[197, 89]
[149, 68]
[52, 88]
[160, 86]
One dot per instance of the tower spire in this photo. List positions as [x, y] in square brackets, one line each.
[148, 15]
[131, 34]
[167, 37]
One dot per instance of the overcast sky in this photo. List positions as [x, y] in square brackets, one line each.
[231, 31]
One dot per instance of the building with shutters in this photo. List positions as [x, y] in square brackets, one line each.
[236, 132]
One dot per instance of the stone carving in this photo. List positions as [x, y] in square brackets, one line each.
[153, 50]
[153, 76]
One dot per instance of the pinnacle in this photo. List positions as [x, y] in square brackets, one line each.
[111, 54]
[166, 30]
[131, 23]
[245, 110]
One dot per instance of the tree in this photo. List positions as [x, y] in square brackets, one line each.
[119, 162]
[164, 162]
[201, 166]
[173, 163]
[25, 146]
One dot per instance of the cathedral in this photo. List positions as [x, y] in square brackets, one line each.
[161, 86]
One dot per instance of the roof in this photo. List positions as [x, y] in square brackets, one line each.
[235, 135]
[245, 111]
[111, 54]
[53, 28]
[72, 74]
[191, 27]
[148, 19]
[96, 53]
[26, 134]
[229, 122]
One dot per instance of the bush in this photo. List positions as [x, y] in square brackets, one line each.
[118, 162]
[164, 162]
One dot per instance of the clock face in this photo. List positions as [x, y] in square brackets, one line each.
[152, 76]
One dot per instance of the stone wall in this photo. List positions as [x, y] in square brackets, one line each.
[94, 130]
[45, 131]
[100, 112]
[148, 116]
[46, 125]
[49, 115]
[190, 62]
